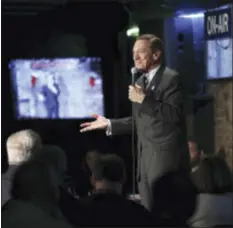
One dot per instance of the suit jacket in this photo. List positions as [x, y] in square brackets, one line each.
[71, 207]
[7, 183]
[19, 213]
[160, 125]
[51, 98]
[107, 208]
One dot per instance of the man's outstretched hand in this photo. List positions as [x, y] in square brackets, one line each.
[100, 123]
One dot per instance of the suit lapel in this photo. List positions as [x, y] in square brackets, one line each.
[156, 79]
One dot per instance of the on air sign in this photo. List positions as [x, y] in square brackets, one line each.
[218, 24]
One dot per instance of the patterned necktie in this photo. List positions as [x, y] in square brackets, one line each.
[145, 81]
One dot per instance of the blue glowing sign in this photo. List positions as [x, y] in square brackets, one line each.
[218, 24]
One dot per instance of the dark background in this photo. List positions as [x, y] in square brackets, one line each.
[53, 31]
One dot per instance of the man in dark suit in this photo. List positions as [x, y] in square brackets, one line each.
[106, 206]
[157, 98]
[51, 92]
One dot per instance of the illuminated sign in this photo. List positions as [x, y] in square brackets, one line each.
[218, 24]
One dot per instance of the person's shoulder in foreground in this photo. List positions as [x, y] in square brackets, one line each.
[123, 211]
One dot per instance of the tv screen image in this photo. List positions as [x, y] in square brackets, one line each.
[69, 88]
[219, 58]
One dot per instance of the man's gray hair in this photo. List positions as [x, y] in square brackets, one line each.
[21, 144]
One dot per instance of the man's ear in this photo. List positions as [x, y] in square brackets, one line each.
[156, 55]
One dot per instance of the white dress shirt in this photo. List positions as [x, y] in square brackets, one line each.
[149, 77]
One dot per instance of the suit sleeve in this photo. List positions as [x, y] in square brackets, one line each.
[121, 126]
[167, 107]
[58, 90]
[44, 91]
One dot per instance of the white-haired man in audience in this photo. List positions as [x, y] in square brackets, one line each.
[19, 146]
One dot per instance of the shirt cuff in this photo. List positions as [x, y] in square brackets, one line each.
[109, 128]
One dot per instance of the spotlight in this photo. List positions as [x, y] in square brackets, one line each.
[133, 31]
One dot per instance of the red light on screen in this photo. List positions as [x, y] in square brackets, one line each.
[33, 81]
[92, 81]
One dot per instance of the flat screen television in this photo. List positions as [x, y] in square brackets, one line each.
[219, 58]
[219, 49]
[68, 88]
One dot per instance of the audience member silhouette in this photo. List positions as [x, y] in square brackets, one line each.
[174, 200]
[213, 180]
[55, 157]
[106, 206]
[34, 200]
[19, 146]
[84, 186]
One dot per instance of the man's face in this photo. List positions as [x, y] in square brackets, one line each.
[144, 58]
[193, 151]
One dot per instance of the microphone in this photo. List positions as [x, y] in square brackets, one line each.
[134, 73]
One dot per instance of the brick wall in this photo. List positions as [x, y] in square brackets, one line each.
[222, 92]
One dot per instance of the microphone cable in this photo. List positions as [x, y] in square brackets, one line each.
[133, 154]
[134, 72]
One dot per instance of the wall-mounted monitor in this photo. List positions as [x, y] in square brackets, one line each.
[219, 49]
[69, 88]
[219, 58]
